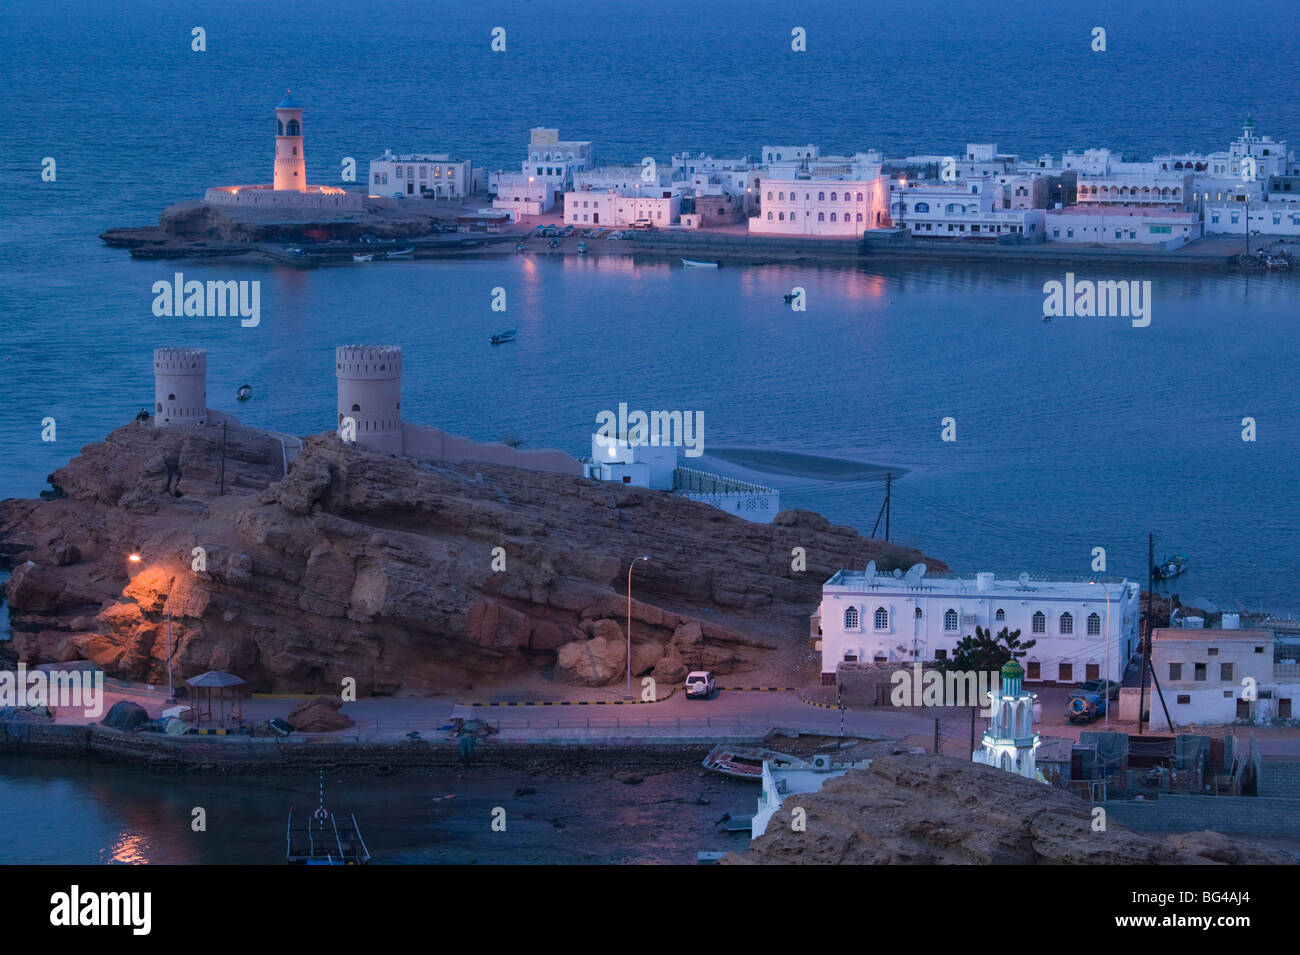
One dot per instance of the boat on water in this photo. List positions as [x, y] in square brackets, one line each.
[323, 838]
[519, 247]
[366, 257]
[500, 338]
[746, 762]
[582, 248]
[696, 264]
[1170, 567]
[401, 253]
[1276, 263]
[243, 393]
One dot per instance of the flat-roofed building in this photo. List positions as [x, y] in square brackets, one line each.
[435, 175]
[840, 208]
[1116, 225]
[1214, 677]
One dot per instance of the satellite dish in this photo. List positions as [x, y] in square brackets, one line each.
[1024, 581]
[914, 575]
[898, 573]
[871, 573]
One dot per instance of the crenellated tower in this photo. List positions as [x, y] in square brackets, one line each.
[180, 386]
[370, 396]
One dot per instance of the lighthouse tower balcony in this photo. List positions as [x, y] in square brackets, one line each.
[290, 164]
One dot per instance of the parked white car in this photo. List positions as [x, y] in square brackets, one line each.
[699, 685]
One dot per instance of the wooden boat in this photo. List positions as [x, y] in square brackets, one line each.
[694, 264]
[519, 247]
[1276, 263]
[582, 248]
[243, 393]
[746, 762]
[367, 257]
[500, 338]
[324, 839]
[1170, 567]
[401, 253]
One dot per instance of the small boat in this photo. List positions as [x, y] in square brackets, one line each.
[519, 247]
[500, 338]
[325, 839]
[1047, 318]
[367, 257]
[746, 762]
[1170, 567]
[1276, 263]
[693, 264]
[788, 298]
[243, 393]
[401, 253]
[582, 248]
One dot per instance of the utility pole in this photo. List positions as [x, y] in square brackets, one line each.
[1146, 642]
[223, 458]
[889, 480]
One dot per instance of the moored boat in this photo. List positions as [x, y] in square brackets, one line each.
[582, 248]
[243, 393]
[1170, 567]
[401, 253]
[746, 762]
[367, 257]
[696, 264]
[500, 338]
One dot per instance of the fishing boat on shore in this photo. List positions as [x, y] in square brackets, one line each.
[746, 762]
[695, 264]
[500, 338]
[1170, 567]
[363, 257]
[401, 253]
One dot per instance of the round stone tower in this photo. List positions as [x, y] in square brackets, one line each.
[290, 165]
[180, 386]
[370, 396]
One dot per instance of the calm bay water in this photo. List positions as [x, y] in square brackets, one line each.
[1071, 435]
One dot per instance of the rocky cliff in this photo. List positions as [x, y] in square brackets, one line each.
[386, 570]
[933, 810]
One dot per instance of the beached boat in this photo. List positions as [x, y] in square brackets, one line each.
[367, 257]
[401, 253]
[746, 762]
[1276, 263]
[1170, 567]
[582, 248]
[519, 247]
[243, 393]
[500, 338]
[695, 264]
[324, 839]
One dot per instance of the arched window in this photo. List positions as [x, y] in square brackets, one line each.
[1067, 624]
[851, 618]
[821, 197]
[821, 217]
[919, 614]
[781, 195]
[1000, 616]
[832, 217]
[780, 216]
[171, 397]
[769, 217]
[859, 216]
[950, 620]
[882, 618]
[356, 407]
[859, 197]
[160, 407]
[833, 197]
[293, 129]
[1040, 622]
[769, 194]
[1094, 625]
[279, 128]
[921, 207]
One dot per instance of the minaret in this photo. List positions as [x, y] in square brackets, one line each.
[180, 386]
[370, 396]
[290, 166]
[1010, 742]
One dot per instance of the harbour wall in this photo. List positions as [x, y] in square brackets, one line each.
[1236, 815]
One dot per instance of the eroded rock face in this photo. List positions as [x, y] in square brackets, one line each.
[380, 569]
[938, 810]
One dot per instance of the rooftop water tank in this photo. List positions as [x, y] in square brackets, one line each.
[1194, 623]
[984, 582]
[1231, 621]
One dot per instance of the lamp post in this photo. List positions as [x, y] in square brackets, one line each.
[630, 565]
[134, 557]
[1107, 683]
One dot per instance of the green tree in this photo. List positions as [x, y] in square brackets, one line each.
[985, 651]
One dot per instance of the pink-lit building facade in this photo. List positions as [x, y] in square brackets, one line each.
[838, 208]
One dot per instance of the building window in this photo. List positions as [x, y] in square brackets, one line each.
[780, 216]
[832, 217]
[1066, 672]
[950, 621]
[859, 197]
[1067, 624]
[1175, 672]
[833, 199]
[821, 217]
[1184, 698]
[1094, 625]
[769, 194]
[851, 618]
[1225, 672]
[781, 196]
[1040, 622]
[1033, 670]
[769, 217]
[1092, 671]
[1199, 672]
[859, 216]
[941, 654]
[919, 614]
[821, 197]
[1000, 616]
[882, 618]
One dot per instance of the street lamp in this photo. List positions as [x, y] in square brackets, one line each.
[1107, 683]
[135, 558]
[630, 565]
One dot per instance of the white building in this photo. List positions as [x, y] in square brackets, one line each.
[544, 176]
[822, 207]
[1111, 225]
[625, 176]
[1138, 184]
[961, 211]
[1214, 677]
[436, 175]
[889, 620]
[1252, 158]
[616, 208]
[520, 195]
[1010, 742]
[1264, 218]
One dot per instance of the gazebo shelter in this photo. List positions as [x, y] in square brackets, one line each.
[228, 688]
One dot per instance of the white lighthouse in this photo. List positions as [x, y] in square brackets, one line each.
[370, 396]
[290, 165]
[180, 386]
[1010, 742]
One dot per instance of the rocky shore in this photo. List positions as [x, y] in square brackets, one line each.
[380, 569]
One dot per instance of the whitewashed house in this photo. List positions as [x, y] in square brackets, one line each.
[436, 175]
[1131, 225]
[1215, 677]
[1280, 218]
[843, 208]
[967, 210]
[889, 620]
[544, 176]
[616, 208]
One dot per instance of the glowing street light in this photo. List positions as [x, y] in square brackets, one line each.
[135, 558]
[630, 565]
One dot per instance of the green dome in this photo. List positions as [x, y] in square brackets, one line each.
[1011, 670]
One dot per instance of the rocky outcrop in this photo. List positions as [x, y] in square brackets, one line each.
[321, 714]
[382, 569]
[935, 810]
